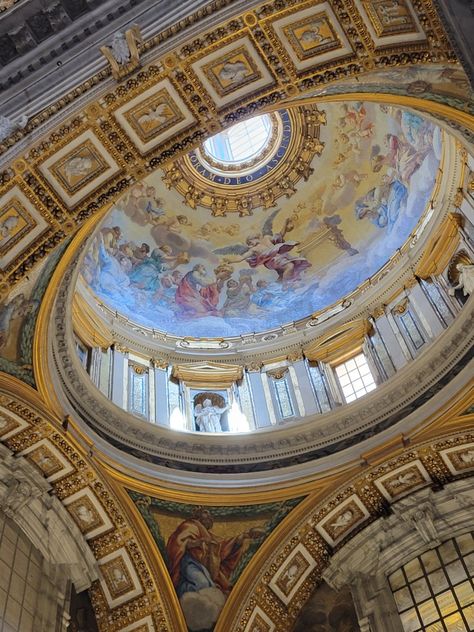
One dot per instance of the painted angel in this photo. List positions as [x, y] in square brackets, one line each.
[269, 249]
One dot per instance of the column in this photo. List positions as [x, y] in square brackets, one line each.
[392, 341]
[161, 393]
[119, 368]
[375, 605]
[96, 357]
[468, 210]
[425, 312]
[262, 415]
[305, 388]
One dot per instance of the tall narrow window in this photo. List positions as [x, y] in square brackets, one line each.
[283, 398]
[104, 374]
[355, 378]
[82, 353]
[174, 399]
[434, 592]
[319, 388]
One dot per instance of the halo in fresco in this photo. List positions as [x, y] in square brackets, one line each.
[180, 270]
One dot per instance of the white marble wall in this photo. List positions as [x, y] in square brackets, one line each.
[21, 579]
[42, 552]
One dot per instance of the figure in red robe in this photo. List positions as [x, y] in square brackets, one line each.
[198, 558]
[197, 294]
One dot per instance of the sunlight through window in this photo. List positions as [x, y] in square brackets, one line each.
[241, 142]
[355, 378]
[177, 420]
[237, 420]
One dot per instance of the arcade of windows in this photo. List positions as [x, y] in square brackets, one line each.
[285, 391]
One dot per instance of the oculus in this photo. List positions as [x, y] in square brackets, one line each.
[241, 143]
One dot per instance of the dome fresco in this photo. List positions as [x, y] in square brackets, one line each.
[181, 270]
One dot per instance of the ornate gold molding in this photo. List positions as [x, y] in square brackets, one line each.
[440, 248]
[338, 343]
[208, 374]
[90, 329]
[204, 182]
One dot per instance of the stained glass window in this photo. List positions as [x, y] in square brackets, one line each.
[355, 378]
[435, 591]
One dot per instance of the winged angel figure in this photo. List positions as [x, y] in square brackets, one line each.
[271, 250]
[123, 52]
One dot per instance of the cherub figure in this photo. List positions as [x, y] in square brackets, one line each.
[465, 281]
[270, 250]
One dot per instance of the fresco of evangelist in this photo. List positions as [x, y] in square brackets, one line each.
[177, 269]
[206, 549]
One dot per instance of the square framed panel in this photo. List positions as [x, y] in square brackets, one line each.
[79, 168]
[155, 116]
[48, 459]
[391, 21]
[10, 424]
[459, 459]
[259, 622]
[232, 71]
[403, 480]
[342, 520]
[312, 36]
[88, 513]
[119, 579]
[296, 568]
[144, 625]
[21, 223]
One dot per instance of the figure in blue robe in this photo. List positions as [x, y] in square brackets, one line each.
[146, 274]
[382, 204]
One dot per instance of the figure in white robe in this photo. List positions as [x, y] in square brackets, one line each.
[208, 417]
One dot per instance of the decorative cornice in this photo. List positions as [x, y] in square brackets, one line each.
[207, 374]
[328, 433]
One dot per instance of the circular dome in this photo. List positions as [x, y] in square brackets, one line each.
[167, 263]
[240, 143]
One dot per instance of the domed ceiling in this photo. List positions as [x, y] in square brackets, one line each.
[195, 262]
